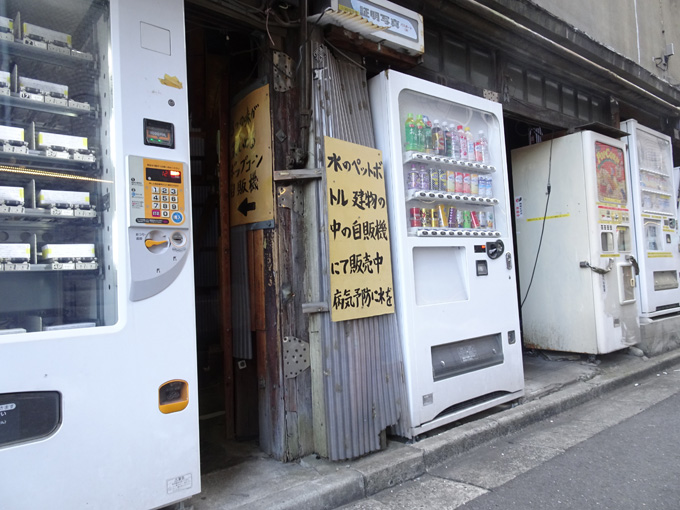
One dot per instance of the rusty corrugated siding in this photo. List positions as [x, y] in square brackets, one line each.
[362, 359]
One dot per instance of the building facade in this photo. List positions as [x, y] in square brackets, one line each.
[262, 293]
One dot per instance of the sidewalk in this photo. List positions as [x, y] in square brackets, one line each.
[553, 383]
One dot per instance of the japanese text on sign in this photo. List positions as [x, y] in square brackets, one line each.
[358, 232]
[250, 185]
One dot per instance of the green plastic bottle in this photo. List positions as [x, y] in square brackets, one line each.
[420, 133]
[410, 138]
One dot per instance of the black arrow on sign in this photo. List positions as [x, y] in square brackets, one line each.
[244, 207]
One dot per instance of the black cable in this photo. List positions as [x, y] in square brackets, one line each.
[545, 214]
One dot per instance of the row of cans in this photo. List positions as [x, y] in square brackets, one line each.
[451, 181]
[450, 217]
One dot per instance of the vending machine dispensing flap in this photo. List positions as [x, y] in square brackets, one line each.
[173, 396]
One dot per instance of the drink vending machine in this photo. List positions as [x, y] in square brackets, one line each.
[575, 246]
[655, 218]
[98, 393]
[451, 241]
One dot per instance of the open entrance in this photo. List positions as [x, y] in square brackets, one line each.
[221, 60]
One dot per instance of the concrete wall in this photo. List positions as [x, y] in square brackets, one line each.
[637, 29]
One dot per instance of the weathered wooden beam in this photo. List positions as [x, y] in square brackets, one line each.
[298, 174]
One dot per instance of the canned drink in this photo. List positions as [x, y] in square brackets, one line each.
[474, 219]
[489, 187]
[489, 220]
[451, 181]
[434, 179]
[442, 218]
[482, 219]
[466, 183]
[424, 178]
[460, 218]
[467, 219]
[453, 217]
[459, 182]
[412, 178]
[443, 180]
[474, 184]
[426, 217]
[415, 218]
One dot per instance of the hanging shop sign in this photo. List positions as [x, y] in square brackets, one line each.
[251, 178]
[358, 232]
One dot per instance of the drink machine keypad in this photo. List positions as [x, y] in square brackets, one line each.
[158, 223]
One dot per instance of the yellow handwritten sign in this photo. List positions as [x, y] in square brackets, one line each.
[358, 232]
[251, 192]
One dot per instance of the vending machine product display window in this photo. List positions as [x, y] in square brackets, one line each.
[57, 179]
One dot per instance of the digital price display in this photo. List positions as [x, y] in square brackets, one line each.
[159, 133]
[163, 175]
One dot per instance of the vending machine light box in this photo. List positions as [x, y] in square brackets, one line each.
[451, 240]
[98, 392]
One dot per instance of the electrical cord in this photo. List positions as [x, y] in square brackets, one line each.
[545, 214]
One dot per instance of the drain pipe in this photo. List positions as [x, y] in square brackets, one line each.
[502, 20]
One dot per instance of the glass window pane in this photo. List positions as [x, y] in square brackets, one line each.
[481, 69]
[515, 78]
[552, 95]
[568, 104]
[56, 175]
[431, 56]
[583, 107]
[534, 89]
[455, 56]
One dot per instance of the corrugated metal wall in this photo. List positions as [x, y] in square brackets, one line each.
[240, 295]
[364, 388]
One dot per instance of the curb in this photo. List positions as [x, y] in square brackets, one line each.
[400, 463]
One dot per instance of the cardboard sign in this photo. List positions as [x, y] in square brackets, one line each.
[358, 232]
[251, 193]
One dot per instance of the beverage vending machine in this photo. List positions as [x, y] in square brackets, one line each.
[655, 218]
[574, 222]
[98, 393]
[451, 241]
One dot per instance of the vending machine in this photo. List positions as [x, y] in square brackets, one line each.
[98, 393]
[451, 242]
[655, 218]
[574, 227]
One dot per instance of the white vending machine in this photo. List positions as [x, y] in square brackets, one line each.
[573, 222]
[655, 218]
[98, 392]
[451, 241]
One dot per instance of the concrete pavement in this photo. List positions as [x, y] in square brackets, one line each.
[553, 383]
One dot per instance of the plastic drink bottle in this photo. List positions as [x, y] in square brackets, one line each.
[448, 139]
[410, 133]
[463, 143]
[428, 135]
[483, 156]
[437, 138]
[470, 142]
[420, 133]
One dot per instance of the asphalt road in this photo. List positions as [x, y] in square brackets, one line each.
[618, 452]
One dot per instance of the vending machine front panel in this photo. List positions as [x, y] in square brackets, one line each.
[97, 326]
[656, 220]
[446, 180]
